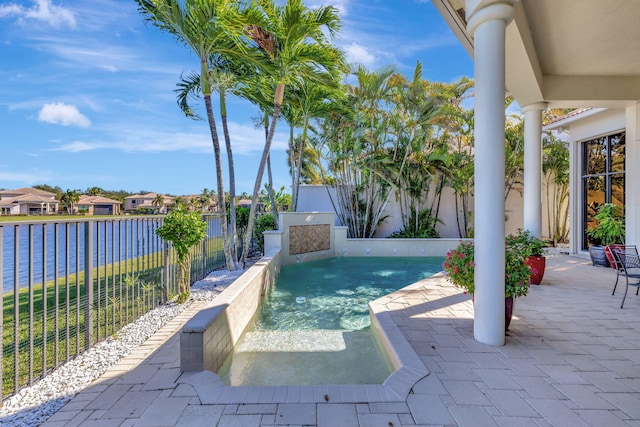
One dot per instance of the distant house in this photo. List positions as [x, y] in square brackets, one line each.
[147, 202]
[98, 205]
[246, 203]
[27, 201]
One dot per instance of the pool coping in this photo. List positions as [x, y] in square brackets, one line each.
[408, 370]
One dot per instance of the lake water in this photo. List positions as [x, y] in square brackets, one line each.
[107, 239]
[121, 240]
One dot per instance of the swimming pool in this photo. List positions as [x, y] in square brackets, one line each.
[313, 326]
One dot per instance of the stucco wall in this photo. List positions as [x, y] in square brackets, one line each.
[315, 198]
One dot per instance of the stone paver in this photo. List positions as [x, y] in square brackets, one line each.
[572, 357]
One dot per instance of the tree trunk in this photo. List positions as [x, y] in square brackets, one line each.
[220, 182]
[184, 275]
[279, 95]
[296, 183]
[232, 186]
[292, 158]
[272, 194]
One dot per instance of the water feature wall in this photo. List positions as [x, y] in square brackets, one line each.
[208, 338]
[305, 236]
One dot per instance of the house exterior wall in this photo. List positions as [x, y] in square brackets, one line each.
[10, 210]
[585, 127]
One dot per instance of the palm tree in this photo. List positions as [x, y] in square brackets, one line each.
[555, 168]
[257, 90]
[70, 198]
[307, 101]
[227, 75]
[158, 201]
[356, 146]
[207, 27]
[295, 42]
[95, 191]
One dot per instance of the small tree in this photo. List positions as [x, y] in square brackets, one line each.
[184, 230]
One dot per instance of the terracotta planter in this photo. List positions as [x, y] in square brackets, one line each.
[609, 255]
[537, 265]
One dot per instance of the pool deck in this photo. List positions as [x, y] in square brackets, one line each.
[571, 358]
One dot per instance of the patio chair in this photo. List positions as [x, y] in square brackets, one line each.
[615, 264]
[630, 264]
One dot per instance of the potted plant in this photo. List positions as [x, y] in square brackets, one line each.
[609, 230]
[459, 265]
[533, 249]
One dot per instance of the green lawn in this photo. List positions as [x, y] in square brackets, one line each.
[123, 291]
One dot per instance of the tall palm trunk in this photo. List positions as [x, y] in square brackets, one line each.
[219, 179]
[272, 194]
[292, 162]
[279, 96]
[298, 170]
[233, 262]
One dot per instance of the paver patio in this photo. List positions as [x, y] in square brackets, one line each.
[571, 359]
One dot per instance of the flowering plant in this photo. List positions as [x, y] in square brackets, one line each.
[529, 244]
[459, 265]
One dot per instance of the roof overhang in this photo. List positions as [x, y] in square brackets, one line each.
[569, 54]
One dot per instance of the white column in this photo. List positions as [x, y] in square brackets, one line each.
[487, 26]
[533, 167]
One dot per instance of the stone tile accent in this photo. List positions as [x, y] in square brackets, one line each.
[309, 238]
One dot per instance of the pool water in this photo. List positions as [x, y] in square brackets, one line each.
[313, 326]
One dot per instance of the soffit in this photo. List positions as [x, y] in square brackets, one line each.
[568, 53]
[586, 37]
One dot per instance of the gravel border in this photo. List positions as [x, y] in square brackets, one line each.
[33, 405]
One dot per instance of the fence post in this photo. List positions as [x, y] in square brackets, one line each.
[204, 260]
[88, 283]
[165, 279]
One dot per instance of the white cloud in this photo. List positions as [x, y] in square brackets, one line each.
[11, 9]
[44, 11]
[76, 147]
[245, 140]
[341, 5]
[63, 114]
[358, 54]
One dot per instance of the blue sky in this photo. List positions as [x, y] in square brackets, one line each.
[86, 93]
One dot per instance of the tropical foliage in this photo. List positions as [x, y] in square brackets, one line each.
[555, 170]
[609, 228]
[372, 135]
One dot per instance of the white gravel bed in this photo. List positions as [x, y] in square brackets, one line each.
[32, 405]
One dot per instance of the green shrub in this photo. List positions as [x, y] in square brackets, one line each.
[610, 227]
[263, 223]
[421, 227]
